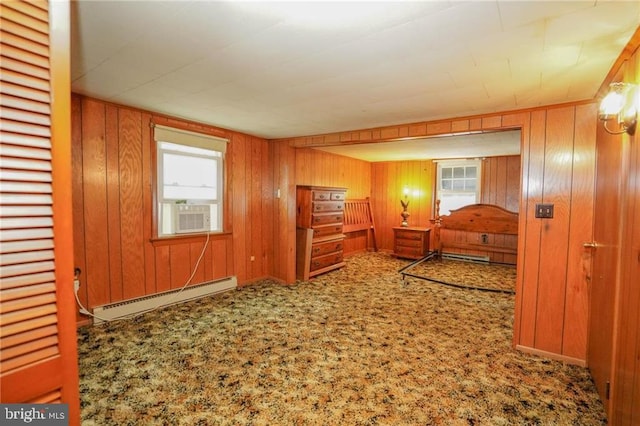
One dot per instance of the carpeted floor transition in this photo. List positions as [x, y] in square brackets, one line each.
[355, 346]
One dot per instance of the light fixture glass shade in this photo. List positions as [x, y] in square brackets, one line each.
[621, 105]
[612, 104]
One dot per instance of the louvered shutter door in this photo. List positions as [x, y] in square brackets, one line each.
[30, 352]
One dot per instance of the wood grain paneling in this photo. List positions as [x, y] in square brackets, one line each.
[553, 241]
[284, 160]
[314, 167]
[574, 342]
[114, 155]
[113, 202]
[614, 329]
[530, 232]
[96, 276]
[131, 212]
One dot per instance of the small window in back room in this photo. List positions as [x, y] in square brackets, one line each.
[190, 182]
[458, 184]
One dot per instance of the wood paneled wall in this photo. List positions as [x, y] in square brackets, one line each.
[113, 180]
[552, 293]
[501, 182]
[500, 186]
[625, 389]
[388, 181]
[315, 167]
[558, 163]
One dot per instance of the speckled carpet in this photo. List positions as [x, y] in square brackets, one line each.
[481, 276]
[356, 346]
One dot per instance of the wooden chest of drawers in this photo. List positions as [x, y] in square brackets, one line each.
[319, 237]
[410, 242]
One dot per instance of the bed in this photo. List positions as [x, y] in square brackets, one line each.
[484, 233]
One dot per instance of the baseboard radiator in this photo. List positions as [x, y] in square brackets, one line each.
[466, 257]
[166, 298]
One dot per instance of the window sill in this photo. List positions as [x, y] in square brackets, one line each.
[188, 238]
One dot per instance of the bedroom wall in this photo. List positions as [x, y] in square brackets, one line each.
[112, 208]
[315, 167]
[500, 186]
[558, 164]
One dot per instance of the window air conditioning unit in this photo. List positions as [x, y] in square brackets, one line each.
[192, 218]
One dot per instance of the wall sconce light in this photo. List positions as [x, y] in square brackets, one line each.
[620, 104]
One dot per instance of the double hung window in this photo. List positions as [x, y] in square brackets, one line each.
[190, 181]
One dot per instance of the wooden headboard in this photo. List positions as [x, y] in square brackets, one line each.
[358, 216]
[480, 219]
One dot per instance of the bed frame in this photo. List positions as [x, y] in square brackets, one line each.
[358, 216]
[476, 218]
[480, 219]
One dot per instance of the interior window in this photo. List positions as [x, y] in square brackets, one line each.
[458, 184]
[189, 182]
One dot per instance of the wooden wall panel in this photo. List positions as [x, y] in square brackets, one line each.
[112, 143]
[574, 343]
[239, 204]
[625, 409]
[163, 268]
[501, 181]
[94, 182]
[283, 158]
[315, 167]
[553, 242]
[131, 209]
[113, 152]
[79, 249]
[148, 207]
[529, 233]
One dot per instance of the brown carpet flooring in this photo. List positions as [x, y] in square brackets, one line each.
[355, 346]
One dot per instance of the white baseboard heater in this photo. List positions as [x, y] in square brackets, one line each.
[466, 257]
[166, 298]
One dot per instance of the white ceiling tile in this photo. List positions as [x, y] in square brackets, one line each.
[271, 69]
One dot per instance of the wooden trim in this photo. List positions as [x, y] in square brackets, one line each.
[551, 355]
[472, 124]
[181, 239]
[62, 204]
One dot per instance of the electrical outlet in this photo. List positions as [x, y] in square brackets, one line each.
[484, 238]
[544, 211]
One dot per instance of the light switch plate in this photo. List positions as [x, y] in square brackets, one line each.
[544, 211]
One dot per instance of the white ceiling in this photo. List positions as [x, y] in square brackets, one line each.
[283, 69]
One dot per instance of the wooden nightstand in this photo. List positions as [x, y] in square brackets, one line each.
[410, 242]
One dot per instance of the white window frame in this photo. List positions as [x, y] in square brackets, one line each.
[190, 145]
[447, 194]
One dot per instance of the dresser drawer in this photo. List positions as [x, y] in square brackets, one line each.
[326, 260]
[411, 252]
[328, 206]
[326, 218]
[328, 195]
[409, 235]
[323, 231]
[325, 248]
[409, 243]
